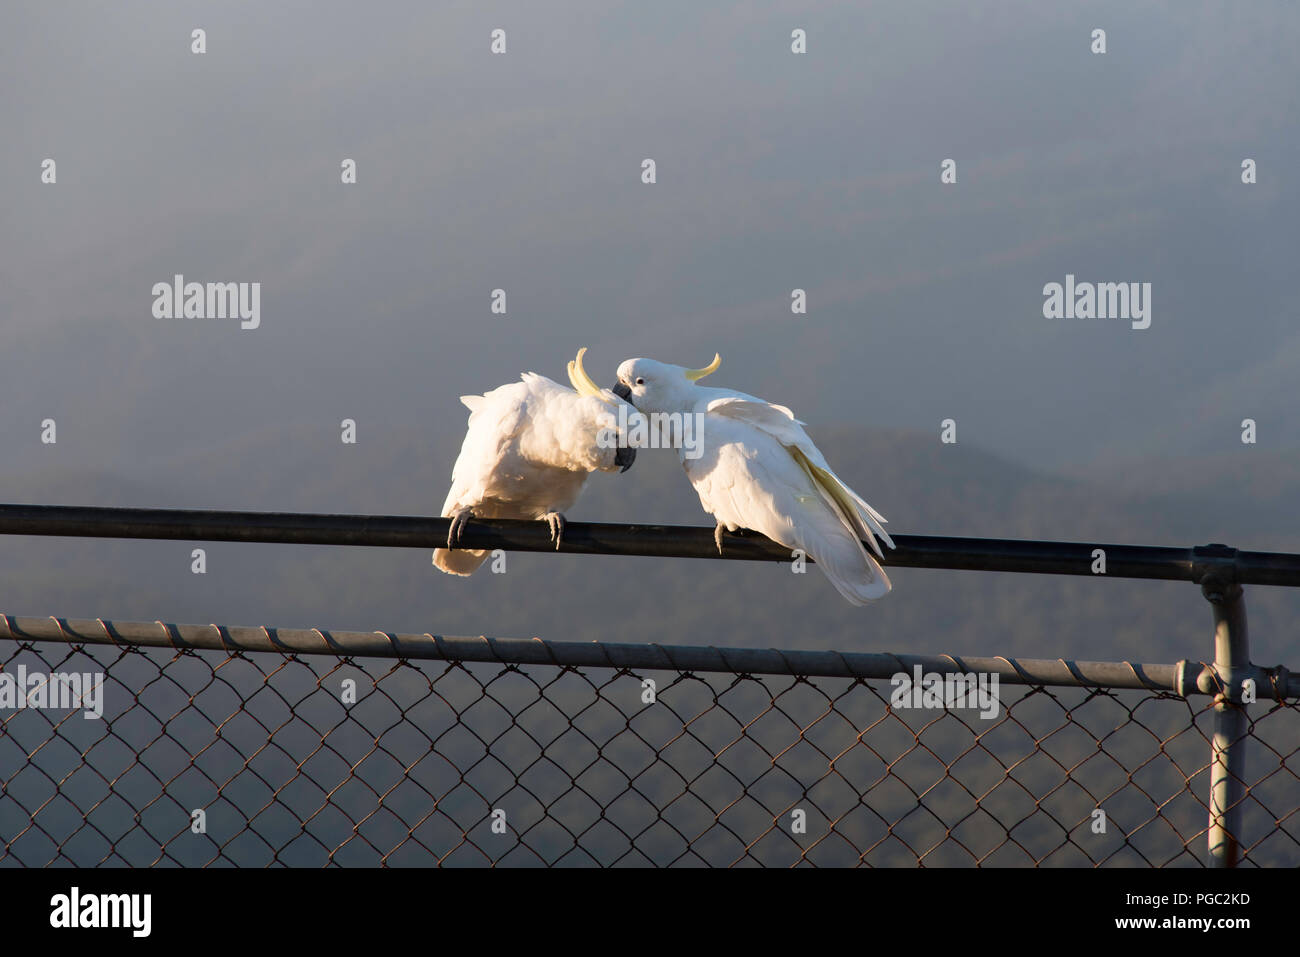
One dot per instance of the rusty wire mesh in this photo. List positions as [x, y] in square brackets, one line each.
[587, 773]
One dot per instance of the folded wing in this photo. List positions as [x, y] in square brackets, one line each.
[780, 423]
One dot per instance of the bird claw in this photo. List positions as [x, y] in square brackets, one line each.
[459, 519]
[717, 536]
[555, 522]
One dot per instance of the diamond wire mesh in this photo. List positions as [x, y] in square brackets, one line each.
[586, 773]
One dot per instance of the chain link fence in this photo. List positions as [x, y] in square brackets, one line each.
[250, 747]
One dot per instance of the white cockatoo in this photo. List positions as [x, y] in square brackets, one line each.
[527, 454]
[755, 467]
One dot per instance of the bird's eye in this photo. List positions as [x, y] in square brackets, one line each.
[640, 381]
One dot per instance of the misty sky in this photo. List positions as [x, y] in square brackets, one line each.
[522, 171]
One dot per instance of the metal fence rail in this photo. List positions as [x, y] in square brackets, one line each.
[556, 744]
[659, 541]
[226, 745]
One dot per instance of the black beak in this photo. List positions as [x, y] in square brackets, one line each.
[625, 456]
[623, 392]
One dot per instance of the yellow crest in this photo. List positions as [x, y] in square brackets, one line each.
[697, 374]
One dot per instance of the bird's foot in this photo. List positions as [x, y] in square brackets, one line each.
[459, 518]
[555, 521]
[717, 536]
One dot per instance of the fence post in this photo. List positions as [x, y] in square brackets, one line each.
[1231, 658]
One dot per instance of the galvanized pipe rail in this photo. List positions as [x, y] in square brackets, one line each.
[1218, 569]
[1183, 678]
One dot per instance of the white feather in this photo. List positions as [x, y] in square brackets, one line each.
[760, 470]
[528, 450]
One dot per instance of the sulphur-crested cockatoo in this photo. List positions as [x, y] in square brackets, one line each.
[756, 468]
[529, 449]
